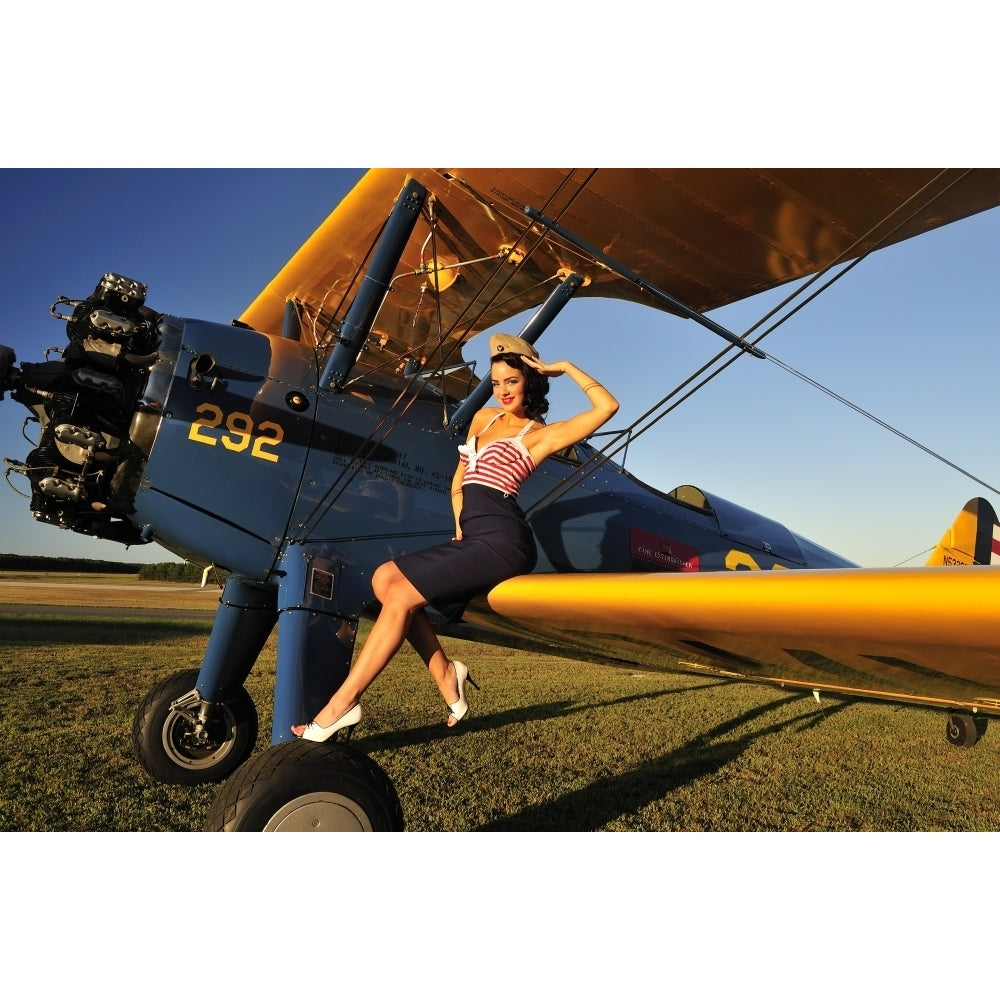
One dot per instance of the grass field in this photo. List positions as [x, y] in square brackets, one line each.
[551, 744]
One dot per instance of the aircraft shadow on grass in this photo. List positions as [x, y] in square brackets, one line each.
[610, 798]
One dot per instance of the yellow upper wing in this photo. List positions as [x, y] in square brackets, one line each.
[924, 635]
[706, 237]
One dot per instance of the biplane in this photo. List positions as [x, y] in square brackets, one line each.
[306, 442]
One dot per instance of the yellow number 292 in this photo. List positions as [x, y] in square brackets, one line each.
[239, 432]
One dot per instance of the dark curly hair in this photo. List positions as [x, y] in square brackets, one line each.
[536, 387]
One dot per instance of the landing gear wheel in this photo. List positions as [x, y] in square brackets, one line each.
[964, 730]
[307, 787]
[173, 745]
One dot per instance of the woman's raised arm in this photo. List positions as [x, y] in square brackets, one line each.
[554, 437]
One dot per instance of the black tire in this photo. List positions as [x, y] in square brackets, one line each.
[963, 730]
[172, 750]
[307, 787]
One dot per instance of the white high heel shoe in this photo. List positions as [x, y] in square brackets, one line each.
[320, 734]
[460, 709]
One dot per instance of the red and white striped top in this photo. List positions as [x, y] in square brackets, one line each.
[503, 464]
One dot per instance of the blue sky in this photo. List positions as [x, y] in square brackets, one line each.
[910, 334]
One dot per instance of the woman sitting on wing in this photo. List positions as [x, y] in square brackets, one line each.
[492, 539]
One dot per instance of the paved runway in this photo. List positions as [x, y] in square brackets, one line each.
[89, 611]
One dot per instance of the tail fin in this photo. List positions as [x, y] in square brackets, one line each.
[973, 539]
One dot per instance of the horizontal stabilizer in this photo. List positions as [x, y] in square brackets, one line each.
[972, 540]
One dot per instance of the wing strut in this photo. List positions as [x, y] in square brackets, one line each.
[657, 293]
[533, 329]
[360, 317]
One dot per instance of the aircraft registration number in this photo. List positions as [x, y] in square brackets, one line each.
[236, 431]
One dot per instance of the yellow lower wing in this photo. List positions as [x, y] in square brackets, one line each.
[925, 635]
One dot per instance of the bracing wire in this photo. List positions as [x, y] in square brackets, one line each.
[881, 423]
[623, 438]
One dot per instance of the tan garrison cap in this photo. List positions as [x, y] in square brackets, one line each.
[504, 343]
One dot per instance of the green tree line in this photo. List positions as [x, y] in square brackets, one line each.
[64, 564]
[174, 572]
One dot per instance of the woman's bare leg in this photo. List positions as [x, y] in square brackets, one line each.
[424, 640]
[400, 600]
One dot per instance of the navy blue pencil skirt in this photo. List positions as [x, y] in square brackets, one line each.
[496, 544]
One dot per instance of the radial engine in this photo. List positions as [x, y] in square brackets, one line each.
[89, 443]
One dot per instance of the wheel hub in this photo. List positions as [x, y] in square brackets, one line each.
[193, 744]
[319, 812]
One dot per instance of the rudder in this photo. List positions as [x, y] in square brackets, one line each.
[973, 538]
